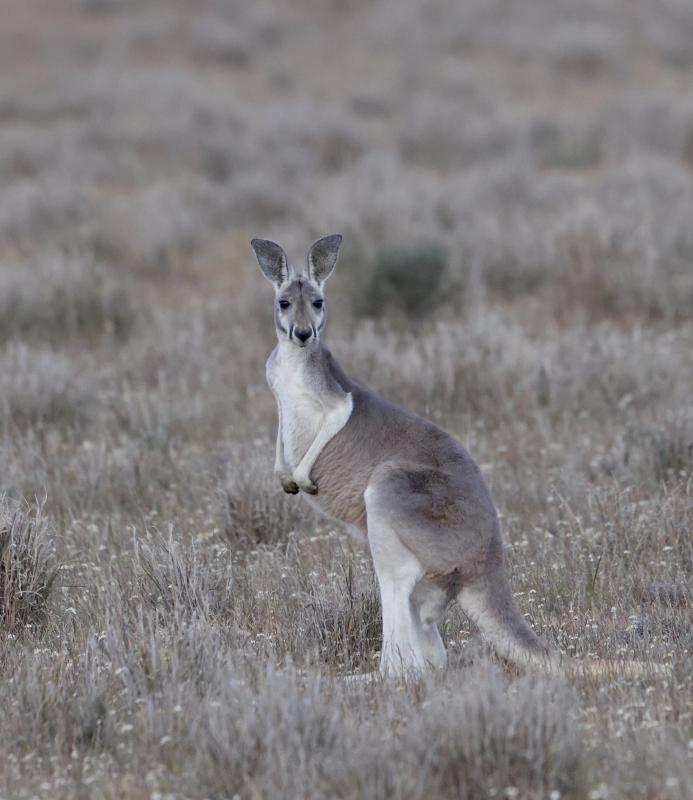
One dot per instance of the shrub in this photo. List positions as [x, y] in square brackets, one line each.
[157, 229]
[40, 389]
[662, 452]
[407, 281]
[566, 146]
[64, 299]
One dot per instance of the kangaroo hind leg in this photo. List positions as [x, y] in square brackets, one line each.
[412, 601]
[428, 606]
[398, 572]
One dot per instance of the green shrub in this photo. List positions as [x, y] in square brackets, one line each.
[407, 281]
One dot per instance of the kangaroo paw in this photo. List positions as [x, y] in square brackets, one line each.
[305, 484]
[289, 485]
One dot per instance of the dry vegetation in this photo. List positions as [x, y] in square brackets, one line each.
[171, 625]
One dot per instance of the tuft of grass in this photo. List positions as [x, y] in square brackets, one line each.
[183, 580]
[27, 568]
[255, 511]
[348, 627]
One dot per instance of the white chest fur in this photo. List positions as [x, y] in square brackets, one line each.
[300, 408]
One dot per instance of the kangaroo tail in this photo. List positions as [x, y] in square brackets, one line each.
[580, 668]
[489, 603]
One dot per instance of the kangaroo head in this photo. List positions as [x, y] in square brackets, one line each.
[299, 303]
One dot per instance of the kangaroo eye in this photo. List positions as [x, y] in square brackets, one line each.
[317, 304]
[284, 304]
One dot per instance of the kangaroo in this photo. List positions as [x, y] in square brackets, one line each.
[409, 488]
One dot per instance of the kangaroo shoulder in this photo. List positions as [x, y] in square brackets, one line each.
[335, 372]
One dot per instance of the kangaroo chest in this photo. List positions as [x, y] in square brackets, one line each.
[300, 409]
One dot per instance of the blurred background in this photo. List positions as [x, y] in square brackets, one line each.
[514, 183]
[537, 154]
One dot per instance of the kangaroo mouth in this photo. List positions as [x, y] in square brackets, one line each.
[302, 338]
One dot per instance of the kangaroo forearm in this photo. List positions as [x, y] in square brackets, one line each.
[308, 461]
[334, 421]
[279, 459]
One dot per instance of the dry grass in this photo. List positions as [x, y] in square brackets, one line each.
[27, 571]
[172, 625]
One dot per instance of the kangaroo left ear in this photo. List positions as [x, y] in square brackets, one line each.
[322, 257]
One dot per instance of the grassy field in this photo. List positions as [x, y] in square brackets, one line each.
[514, 182]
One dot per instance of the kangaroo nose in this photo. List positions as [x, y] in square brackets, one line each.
[303, 334]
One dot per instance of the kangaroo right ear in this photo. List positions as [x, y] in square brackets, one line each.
[272, 260]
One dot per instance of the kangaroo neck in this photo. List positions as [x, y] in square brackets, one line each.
[289, 353]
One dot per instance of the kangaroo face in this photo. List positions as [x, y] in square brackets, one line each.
[299, 303]
[299, 312]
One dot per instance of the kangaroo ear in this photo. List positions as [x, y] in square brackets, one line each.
[272, 260]
[322, 257]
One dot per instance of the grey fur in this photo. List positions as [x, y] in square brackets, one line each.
[322, 257]
[410, 487]
[272, 260]
[434, 495]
